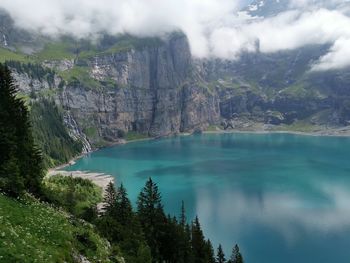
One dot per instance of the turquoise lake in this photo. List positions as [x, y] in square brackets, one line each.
[283, 198]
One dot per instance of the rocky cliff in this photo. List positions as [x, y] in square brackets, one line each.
[157, 89]
[154, 93]
[154, 90]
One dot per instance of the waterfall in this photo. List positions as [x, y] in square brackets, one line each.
[75, 132]
[4, 40]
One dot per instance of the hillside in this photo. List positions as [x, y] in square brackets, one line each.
[32, 231]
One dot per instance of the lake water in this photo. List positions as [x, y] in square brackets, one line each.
[282, 197]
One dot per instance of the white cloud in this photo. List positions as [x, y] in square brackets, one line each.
[338, 57]
[213, 27]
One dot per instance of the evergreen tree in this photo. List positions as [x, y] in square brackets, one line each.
[184, 238]
[51, 134]
[110, 200]
[124, 214]
[236, 256]
[20, 161]
[188, 251]
[220, 256]
[183, 215]
[198, 243]
[152, 219]
[120, 226]
[210, 252]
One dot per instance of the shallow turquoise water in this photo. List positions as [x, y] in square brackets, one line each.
[284, 198]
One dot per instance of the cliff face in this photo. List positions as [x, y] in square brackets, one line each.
[154, 92]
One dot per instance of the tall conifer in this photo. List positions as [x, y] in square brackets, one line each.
[20, 160]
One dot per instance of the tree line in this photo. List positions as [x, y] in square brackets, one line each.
[149, 235]
[33, 70]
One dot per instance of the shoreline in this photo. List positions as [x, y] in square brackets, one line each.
[321, 133]
[103, 179]
[334, 132]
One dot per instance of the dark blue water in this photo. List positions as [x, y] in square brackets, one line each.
[283, 198]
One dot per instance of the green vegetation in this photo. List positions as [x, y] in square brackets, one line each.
[132, 136]
[51, 135]
[68, 48]
[6, 55]
[90, 132]
[299, 90]
[220, 256]
[57, 51]
[149, 235]
[236, 256]
[80, 75]
[33, 70]
[298, 126]
[31, 231]
[212, 128]
[120, 225]
[127, 42]
[20, 160]
[76, 195]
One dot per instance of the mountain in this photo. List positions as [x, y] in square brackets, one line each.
[123, 87]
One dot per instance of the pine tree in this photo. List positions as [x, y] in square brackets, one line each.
[110, 200]
[20, 160]
[121, 227]
[188, 252]
[198, 243]
[220, 256]
[210, 252]
[152, 218]
[184, 236]
[236, 256]
[183, 214]
[124, 213]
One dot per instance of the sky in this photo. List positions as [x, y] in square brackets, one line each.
[215, 28]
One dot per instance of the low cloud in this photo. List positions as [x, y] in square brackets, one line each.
[288, 31]
[214, 28]
[338, 56]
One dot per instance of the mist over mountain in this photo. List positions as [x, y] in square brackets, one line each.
[215, 29]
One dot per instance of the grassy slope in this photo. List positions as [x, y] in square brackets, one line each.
[132, 136]
[6, 55]
[56, 51]
[31, 231]
[86, 193]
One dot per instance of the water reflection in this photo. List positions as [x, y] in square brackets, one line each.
[289, 223]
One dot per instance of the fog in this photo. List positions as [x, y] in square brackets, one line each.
[215, 28]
